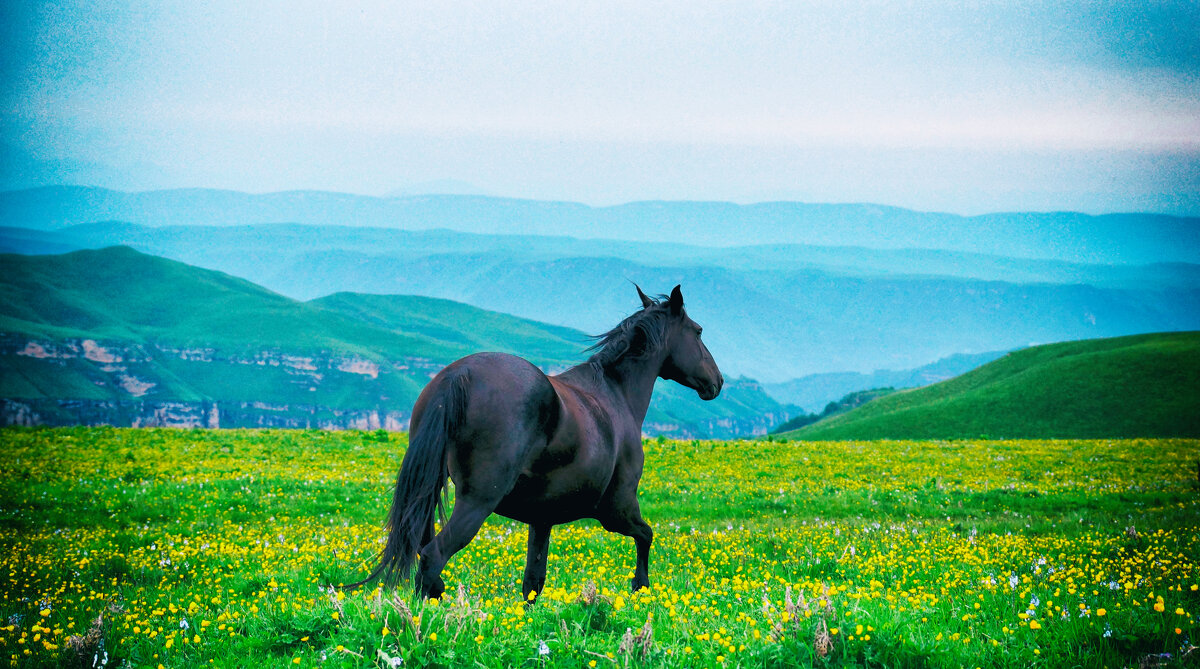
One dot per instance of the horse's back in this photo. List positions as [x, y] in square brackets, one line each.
[502, 389]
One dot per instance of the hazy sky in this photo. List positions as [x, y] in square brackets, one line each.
[958, 106]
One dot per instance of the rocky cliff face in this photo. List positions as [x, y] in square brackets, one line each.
[61, 412]
[90, 382]
[115, 359]
[717, 428]
[64, 412]
[134, 385]
[139, 413]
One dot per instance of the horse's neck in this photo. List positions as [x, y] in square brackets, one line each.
[635, 383]
[628, 383]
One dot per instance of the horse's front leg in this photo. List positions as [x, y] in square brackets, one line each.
[535, 561]
[627, 519]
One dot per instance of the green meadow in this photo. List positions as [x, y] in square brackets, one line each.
[178, 548]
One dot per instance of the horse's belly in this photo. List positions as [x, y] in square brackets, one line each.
[547, 500]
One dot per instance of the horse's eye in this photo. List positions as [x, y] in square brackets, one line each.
[699, 331]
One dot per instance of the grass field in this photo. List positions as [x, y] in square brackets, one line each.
[174, 548]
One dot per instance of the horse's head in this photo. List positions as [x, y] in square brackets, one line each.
[688, 361]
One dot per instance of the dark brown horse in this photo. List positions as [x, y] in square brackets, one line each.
[539, 449]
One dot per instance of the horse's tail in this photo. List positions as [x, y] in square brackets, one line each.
[420, 486]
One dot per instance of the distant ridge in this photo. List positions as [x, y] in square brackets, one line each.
[1113, 238]
[1123, 387]
[813, 392]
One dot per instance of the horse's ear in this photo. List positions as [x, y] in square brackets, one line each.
[646, 302]
[675, 302]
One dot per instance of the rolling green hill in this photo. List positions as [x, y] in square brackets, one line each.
[116, 336]
[456, 324]
[1137, 386]
[121, 294]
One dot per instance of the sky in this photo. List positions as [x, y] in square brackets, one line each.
[962, 107]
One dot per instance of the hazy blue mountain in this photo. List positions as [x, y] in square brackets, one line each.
[813, 392]
[27, 241]
[281, 243]
[1115, 238]
[767, 320]
[774, 325]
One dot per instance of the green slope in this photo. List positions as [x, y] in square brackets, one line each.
[459, 324]
[1137, 386]
[123, 295]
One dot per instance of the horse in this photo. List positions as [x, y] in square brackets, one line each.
[542, 450]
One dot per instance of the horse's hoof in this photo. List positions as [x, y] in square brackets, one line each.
[434, 590]
[635, 584]
[433, 593]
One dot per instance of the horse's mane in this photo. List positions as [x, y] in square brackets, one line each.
[638, 336]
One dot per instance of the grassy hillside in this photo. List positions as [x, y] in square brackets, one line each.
[815, 391]
[109, 335]
[1138, 386]
[459, 324]
[120, 294]
[848, 402]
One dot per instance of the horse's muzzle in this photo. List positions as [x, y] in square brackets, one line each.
[710, 391]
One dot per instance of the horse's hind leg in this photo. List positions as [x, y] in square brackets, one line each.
[628, 521]
[535, 561]
[464, 524]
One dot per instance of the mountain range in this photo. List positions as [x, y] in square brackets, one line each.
[119, 337]
[1108, 239]
[811, 321]
[773, 313]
